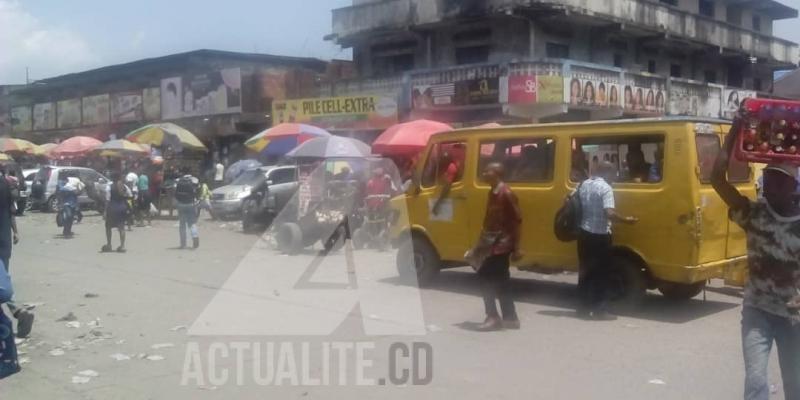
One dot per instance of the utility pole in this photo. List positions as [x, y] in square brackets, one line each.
[27, 76]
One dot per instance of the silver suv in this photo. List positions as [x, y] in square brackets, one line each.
[45, 183]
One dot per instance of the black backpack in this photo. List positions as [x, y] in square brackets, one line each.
[186, 190]
[568, 218]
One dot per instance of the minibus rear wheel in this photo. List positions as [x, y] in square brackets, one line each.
[418, 256]
[681, 291]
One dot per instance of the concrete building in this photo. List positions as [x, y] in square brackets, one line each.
[223, 97]
[686, 50]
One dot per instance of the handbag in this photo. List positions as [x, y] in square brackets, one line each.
[482, 250]
[566, 225]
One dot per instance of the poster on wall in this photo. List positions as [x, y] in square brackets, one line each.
[126, 107]
[695, 99]
[332, 113]
[44, 116]
[68, 113]
[733, 100]
[171, 95]
[645, 93]
[96, 110]
[531, 89]
[272, 83]
[21, 118]
[592, 87]
[218, 92]
[462, 93]
[151, 99]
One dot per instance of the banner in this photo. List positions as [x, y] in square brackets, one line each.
[171, 95]
[530, 89]
[151, 100]
[96, 110]
[733, 100]
[218, 92]
[332, 113]
[645, 94]
[68, 113]
[461, 93]
[44, 116]
[126, 107]
[592, 87]
[695, 99]
[21, 119]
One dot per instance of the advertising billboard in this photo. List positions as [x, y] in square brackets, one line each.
[151, 97]
[21, 119]
[127, 107]
[733, 100]
[645, 93]
[352, 112]
[68, 113]
[218, 92]
[695, 99]
[97, 110]
[592, 87]
[44, 116]
[171, 95]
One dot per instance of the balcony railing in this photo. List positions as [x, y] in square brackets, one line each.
[389, 15]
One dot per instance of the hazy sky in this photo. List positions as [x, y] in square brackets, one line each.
[54, 37]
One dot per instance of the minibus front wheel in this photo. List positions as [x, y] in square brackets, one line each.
[418, 257]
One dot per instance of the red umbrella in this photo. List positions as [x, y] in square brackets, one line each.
[408, 138]
[75, 146]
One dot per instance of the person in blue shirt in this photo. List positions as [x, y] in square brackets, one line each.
[9, 363]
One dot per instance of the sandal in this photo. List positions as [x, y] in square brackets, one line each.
[121, 249]
[105, 249]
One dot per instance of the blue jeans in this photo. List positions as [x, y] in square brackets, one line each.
[759, 331]
[187, 217]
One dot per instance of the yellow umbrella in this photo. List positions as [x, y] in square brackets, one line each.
[121, 147]
[5, 158]
[44, 149]
[13, 145]
[159, 134]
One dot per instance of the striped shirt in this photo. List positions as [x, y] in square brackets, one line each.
[596, 197]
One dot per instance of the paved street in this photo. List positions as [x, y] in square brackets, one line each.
[138, 305]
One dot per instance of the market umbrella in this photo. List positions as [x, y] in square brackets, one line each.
[407, 138]
[238, 167]
[331, 147]
[121, 147]
[75, 146]
[282, 138]
[5, 158]
[166, 134]
[44, 149]
[12, 145]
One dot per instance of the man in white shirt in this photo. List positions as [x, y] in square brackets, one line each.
[595, 241]
[219, 174]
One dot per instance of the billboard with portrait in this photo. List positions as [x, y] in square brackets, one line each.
[44, 116]
[127, 107]
[68, 113]
[218, 92]
[21, 119]
[645, 93]
[171, 95]
[151, 99]
[97, 109]
[733, 100]
[695, 99]
[592, 87]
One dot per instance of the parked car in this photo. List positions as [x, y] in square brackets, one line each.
[27, 176]
[226, 201]
[270, 197]
[43, 191]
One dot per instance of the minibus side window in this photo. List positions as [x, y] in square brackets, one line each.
[635, 159]
[445, 163]
[527, 160]
[708, 147]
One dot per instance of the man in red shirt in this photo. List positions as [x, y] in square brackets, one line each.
[498, 244]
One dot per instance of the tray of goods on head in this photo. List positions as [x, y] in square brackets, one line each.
[769, 131]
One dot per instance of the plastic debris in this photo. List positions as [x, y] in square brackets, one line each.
[56, 352]
[73, 324]
[657, 382]
[91, 295]
[120, 357]
[179, 328]
[68, 318]
[81, 380]
[94, 323]
[434, 328]
[155, 357]
[162, 346]
[24, 360]
[90, 373]
[773, 389]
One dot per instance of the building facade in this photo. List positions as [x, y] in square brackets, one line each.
[222, 97]
[472, 61]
